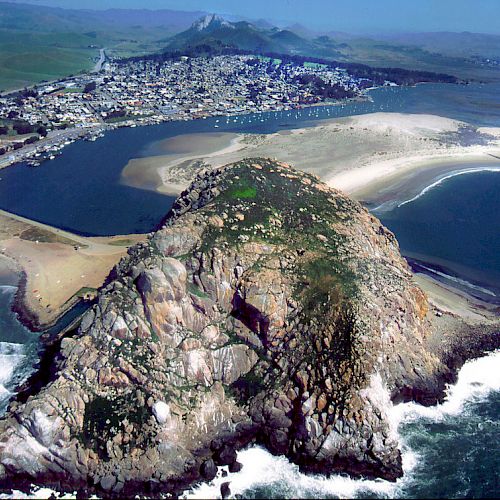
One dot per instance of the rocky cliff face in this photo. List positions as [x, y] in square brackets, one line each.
[268, 308]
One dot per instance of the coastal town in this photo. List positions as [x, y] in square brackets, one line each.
[35, 124]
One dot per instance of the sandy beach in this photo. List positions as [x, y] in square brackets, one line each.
[176, 160]
[58, 266]
[374, 158]
[360, 155]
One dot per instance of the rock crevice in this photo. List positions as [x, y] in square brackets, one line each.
[267, 308]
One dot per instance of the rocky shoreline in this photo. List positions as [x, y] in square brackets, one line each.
[268, 309]
[25, 314]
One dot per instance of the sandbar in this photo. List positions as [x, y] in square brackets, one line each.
[57, 267]
[359, 155]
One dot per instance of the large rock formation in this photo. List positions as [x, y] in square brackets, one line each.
[268, 308]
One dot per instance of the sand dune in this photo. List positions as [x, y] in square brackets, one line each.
[352, 154]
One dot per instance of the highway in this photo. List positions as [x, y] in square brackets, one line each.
[101, 61]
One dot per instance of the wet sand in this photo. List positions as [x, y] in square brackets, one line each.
[175, 161]
[446, 299]
[360, 155]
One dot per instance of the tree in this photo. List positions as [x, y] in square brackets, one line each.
[31, 140]
[4, 130]
[90, 87]
[42, 131]
[23, 127]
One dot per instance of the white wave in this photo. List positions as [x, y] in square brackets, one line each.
[40, 493]
[11, 356]
[263, 470]
[459, 281]
[8, 288]
[476, 380]
[11, 348]
[449, 176]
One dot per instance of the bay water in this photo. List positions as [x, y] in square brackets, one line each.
[451, 450]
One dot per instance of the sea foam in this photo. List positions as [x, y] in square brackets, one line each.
[465, 283]
[267, 473]
[11, 355]
[446, 177]
[476, 380]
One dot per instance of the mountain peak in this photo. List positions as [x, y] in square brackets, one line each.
[211, 21]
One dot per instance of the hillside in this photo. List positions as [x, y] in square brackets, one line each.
[269, 308]
[213, 30]
[45, 43]
[422, 52]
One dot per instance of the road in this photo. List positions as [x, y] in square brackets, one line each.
[54, 137]
[101, 61]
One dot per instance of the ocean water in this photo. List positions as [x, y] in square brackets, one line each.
[451, 229]
[18, 347]
[449, 451]
[80, 190]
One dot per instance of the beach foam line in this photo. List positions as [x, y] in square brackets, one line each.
[476, 380]
[446, 177]
[460, 281]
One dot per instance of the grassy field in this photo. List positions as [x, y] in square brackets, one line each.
[27, 58]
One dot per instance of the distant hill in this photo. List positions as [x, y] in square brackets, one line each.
[43, 43]
[463, 44]
[213, 30]
[26, 17]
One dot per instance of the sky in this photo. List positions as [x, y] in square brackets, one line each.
[356, 16]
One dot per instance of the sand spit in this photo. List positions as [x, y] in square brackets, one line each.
[177, 160]
[356, 154]
[57, 266]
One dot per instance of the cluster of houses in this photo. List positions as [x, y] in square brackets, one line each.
[146, 91]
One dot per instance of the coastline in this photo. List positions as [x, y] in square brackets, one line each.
[396, 157]
[359, 155]
[380, 181]
[56, 268]
[57, 139]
